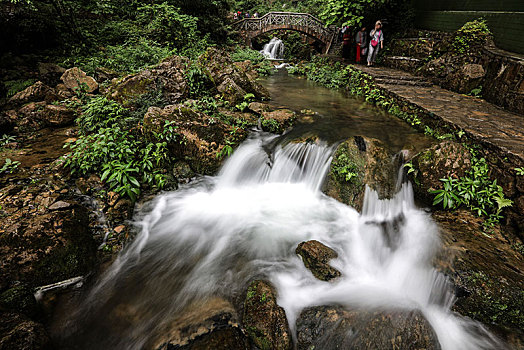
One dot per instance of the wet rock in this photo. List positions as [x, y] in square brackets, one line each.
[265, 321]
[210, 324]
[36, 92]
[199, 140]
[50, 73]
[57, 115]
[277, 121]
[19, 332]
[316, 257]
[39, 247]
[473, 71]
[231, 91]
[331, 327]
[167, 78]
[182, 172]
[358, 162]
[232, 80]
[259, 107]
[447, 159]
[37, 115]
[487, 271]
[19, 298]
[76, 79]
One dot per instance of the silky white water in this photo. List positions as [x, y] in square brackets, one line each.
[214, 236]
[274, 49]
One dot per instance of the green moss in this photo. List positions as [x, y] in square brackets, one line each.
[492, 302]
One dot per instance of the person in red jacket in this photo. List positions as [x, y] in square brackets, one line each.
[362, 41]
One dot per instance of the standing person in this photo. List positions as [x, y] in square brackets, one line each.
[346, 43]
[377, 41]
[255, 15]
[361, 40]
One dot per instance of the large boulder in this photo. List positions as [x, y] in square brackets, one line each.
[446, 159]
[316, 257]
[198, 139]
[76, 79]
[36, 92]
[331, 327]
[37, 115]
[19, 332]
[265, 321]
[231, 81]
[167, 79]
[210, 324]
[358, 162]
[39, 244]
[487, 271]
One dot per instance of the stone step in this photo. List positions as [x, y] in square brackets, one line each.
[402, 82]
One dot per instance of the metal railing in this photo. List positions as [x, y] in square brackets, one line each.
[285, 19]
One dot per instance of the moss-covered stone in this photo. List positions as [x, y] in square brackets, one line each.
[332, 327]
[487, 271]
[358, 162]
[265, 321]
[20, 299]
[196, 138]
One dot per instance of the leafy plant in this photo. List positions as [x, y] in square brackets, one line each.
[5, 139]
[15, 86]
[519, 171]
[473, 33]
[476, 191]
[344, 168]
[9, 166]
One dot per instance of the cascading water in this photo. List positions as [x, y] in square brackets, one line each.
[274, 49]
[212, 237]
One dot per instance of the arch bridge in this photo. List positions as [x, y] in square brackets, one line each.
[304, 23]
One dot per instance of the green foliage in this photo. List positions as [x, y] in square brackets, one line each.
[128, 57]
[109, 145]
[476, 191]
[245, 53]
[344, 168]
[247, 99]
[199, 82]
[270, 125]
[98, 113]
[15, 86]
[9, 166]
[477, 92]
[261, 65]
[5, 139]
[350, 13]
[519, 171]
[471, 34]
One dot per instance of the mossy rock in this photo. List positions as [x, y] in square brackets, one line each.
[265, 321]
[358, 162]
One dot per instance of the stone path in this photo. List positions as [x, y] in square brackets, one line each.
[481, 120]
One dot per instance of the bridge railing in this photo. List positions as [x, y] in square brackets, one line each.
[284, 19]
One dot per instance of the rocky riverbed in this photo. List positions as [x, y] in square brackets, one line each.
[63, 228]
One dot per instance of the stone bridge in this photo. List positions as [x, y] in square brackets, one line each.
[304, 23]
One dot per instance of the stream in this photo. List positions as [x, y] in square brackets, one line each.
[214, 235]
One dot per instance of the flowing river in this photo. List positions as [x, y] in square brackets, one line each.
[217, 233]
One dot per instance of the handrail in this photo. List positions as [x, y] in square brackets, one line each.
[271, 17]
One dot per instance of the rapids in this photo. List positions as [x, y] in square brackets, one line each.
[216, 234]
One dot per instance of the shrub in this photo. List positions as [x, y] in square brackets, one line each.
[470, 35]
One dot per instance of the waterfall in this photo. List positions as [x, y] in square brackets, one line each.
[213, 236]
[274, 49]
